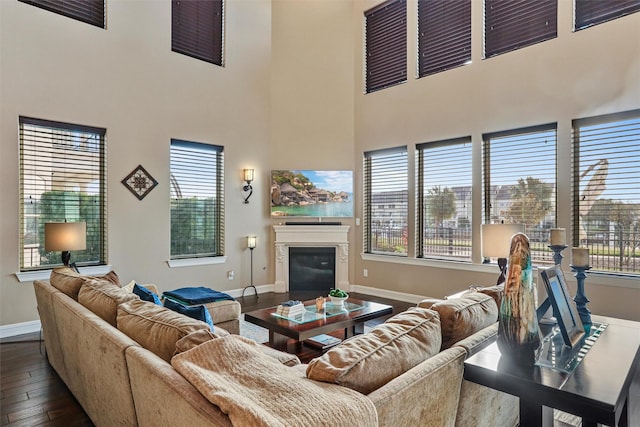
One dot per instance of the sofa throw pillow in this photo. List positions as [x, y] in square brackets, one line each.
[366, 362]
[103, 300]
[155, 327]
[145, 294]
[198, 312]
[462, 317]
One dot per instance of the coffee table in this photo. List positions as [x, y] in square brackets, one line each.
[351, 320]
[598, 389]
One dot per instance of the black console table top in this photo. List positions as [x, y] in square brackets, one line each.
[597, 390]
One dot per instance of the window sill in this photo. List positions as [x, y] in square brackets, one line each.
[30, 276]
[190, 262]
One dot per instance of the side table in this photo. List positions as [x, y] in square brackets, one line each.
[598, 390]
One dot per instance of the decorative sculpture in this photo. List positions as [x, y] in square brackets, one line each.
[518, 333]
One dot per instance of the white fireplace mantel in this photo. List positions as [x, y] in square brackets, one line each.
[311, 236]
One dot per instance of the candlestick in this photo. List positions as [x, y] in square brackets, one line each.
[558, 237]
[581, 299]
[580, 257]
[557, 253]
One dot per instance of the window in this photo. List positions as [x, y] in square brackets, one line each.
[520, 183]
[444, 199]
[386, 45]
[514, 24]
[197, 29]
[444, 35]
[590, 12]
[62, 178]
[606, 195]
[89, 11]
[197, 200]
[386, 203]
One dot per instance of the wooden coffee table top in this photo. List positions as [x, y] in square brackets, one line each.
[302, 331]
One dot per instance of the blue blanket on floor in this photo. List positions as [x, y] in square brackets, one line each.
[199, 295]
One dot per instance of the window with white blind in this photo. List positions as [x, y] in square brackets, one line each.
[514, 24]
[592, 12]
[444, 35]
[386, 202]
[519, 181]
[606, 190]
[89, 11]
[197, 200]
[62, 178]
[444, 185]
[197, 29]
[386, 45]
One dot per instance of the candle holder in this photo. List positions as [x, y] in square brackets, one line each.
[557, 253]
[580, 298]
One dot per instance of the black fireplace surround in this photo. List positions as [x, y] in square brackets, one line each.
[312, 268]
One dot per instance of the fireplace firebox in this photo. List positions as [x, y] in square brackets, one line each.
[312, 268]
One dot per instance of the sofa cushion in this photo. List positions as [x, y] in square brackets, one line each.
[366, 362]
[146, 295]
[103, 300]
[154, 327]
[462, 317]
[198, 312]
[68, 281]
[494, 292]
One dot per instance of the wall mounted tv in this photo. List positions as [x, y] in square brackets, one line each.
[311, 193]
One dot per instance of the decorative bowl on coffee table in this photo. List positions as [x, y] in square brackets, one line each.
[339, 301]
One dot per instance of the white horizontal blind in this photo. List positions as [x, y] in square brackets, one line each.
[197, 29]
[592, 12]
[62, 178]
[89, 11]
[197, 200]
[519, 182]
[444, 199]
[386, 45]
[444, 35]
[606, 190]
[386, 203]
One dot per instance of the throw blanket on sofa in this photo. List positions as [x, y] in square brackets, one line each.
[199, 295]
[256, 390]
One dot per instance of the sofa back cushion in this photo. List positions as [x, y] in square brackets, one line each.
[462, 317]
[154, 327]
[68, 281]
[366, 362]
[103, 299]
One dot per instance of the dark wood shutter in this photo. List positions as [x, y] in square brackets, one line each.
[592, 12]
[197, 29]
[89, 11]
[444, 35]
[386, 45]
[514, 24]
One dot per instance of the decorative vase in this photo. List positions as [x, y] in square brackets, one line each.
[518, 332]
[338, 301]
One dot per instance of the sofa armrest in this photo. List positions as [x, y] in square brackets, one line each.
[476, 342]
[429, 391]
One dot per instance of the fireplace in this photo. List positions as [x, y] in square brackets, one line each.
[312, 268]
[309, 239]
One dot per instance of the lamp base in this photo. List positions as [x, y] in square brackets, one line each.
[250, 286]
[502, 265]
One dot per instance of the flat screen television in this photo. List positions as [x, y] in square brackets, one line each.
[311, 193]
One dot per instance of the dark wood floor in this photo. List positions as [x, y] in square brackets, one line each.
[32, 394]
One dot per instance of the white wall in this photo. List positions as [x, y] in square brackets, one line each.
[127, 80]
[590, 72]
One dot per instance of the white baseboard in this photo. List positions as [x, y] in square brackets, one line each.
[385, 293]
[237, 293]
[7, 331]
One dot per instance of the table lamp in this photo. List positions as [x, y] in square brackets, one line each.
[65, 237]
[496, 242]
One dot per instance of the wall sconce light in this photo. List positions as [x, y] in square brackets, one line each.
[65, 237]
[248, 177]
[251, 244]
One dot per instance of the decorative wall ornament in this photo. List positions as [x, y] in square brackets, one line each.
[518, 333]
[139, 182]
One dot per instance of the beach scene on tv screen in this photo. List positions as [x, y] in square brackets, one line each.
[312, 193]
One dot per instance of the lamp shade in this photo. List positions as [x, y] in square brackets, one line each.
[251, 242]
[248, 175]
[65, 236]
[496, 239]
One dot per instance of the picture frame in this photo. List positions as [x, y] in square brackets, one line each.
[564, 308]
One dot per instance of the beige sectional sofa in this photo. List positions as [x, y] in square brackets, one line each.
[130, 363]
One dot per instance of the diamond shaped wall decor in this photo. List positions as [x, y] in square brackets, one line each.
[139, 182]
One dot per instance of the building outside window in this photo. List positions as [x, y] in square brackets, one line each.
[62, 178]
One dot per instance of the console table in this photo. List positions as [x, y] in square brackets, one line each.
[598, 390]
